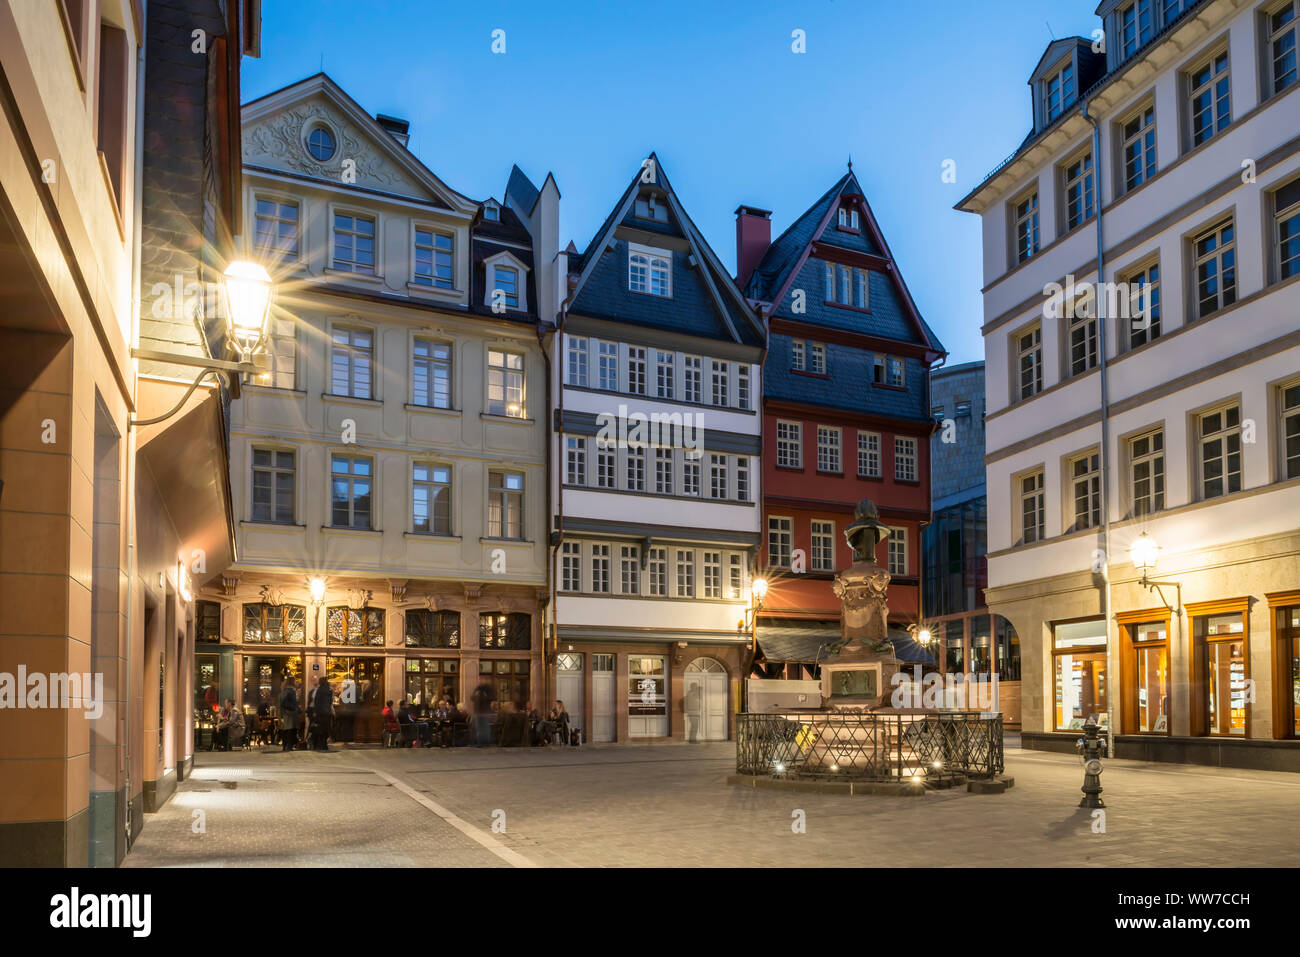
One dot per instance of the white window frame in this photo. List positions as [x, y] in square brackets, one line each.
[432, 483]
[354, 353]
[579, 359]
[829, 444]
[433, 362]
[1224, 434]
[780, 541]
[869, 455]
[575, 459]
[505, 260]
[658, 266]
[503, 375]
[907, 464]
[1218, 124]
[822, 556]
[793, 439]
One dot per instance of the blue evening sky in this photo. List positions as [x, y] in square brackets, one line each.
[587, 89]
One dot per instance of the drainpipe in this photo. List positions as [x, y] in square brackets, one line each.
[1104, 455]
[137, 217]
[546, 358]
[553, 438]
[922, 526]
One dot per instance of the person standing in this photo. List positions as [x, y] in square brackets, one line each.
[483, 698]
[321, 713]
[289, 716]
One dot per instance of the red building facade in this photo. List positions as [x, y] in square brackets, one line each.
[845, 417]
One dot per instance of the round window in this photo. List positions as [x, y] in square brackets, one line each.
[320, 144]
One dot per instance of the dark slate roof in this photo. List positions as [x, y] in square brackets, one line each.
[892, 311]
[520, 190]
[785, 250]
[847, 385]
[488, 239]
[602, 292]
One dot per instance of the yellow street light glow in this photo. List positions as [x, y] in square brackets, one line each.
[248, 302]
[1143, 553]
[317, 590]
[760, 588]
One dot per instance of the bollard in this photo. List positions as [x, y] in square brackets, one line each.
[1089, 746]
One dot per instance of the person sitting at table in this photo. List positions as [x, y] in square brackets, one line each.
[533, 720]
[440, 721]
[560, 718]
[221, 737]
[390, 719]
[231, 726]
[419, 729]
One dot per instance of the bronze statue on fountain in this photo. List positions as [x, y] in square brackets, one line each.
[860, 672]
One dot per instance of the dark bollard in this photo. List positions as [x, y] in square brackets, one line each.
[1090, 746]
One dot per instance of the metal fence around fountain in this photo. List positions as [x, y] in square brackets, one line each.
[867, 745]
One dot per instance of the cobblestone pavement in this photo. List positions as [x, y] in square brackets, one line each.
[669, 806]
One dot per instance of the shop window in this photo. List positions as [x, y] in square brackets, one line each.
[646, 686]
[512, 632]
[508, 678]
[1079, 670]
[1144, 672]
[432, 629]
[207, 622]
[1220, 669]
[350, 626]
[1286, 674]
[274, 624]
[430, 680]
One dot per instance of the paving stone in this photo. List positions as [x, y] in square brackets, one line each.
[671, 806]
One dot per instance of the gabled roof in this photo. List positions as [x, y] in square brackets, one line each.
[705, 301]
[402, 158]
[520, 190]
[785, 257]
[1055, 52]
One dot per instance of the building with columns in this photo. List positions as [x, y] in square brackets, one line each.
[1143, 437]
[388, 464]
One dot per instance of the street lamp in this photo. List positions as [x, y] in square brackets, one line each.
[757, 591]
[248, 305]
[1143, 552]
[317, 587]
[248, 295]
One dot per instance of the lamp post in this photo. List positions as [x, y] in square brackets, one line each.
[757, 590]
[317, 586]
[248, 296]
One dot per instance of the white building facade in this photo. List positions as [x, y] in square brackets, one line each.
[655, 481]
[1164, 410]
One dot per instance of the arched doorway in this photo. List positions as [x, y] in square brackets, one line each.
[705, 703]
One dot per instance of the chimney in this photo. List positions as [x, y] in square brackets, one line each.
[399, 130]
[753, 236]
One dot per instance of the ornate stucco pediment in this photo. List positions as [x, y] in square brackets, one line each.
[278, 141]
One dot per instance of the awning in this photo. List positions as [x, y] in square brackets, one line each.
[817, 641]
[188, 459]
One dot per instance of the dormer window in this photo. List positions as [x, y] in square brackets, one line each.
[648, 207]
[649, 271]
[1136, 26]
[848, 218]
[492, 212]
[1059, 92]
[506, 284]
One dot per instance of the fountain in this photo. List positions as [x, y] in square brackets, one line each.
[857, 736]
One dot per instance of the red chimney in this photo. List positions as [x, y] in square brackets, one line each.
[753, 236]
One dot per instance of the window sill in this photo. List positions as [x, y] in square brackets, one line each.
[431, 410]
[810, 375]
[596, 390]
[506, 541]
[892, 388]
[838, 474]
[368, 279]
[351, 400]
[344, 530]
[421, 291]
[431, 536]
[789, 468]
[836, 304]
[899, 481]
[287, 526]
[871, 478]
[494, 417]
[276, 390]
